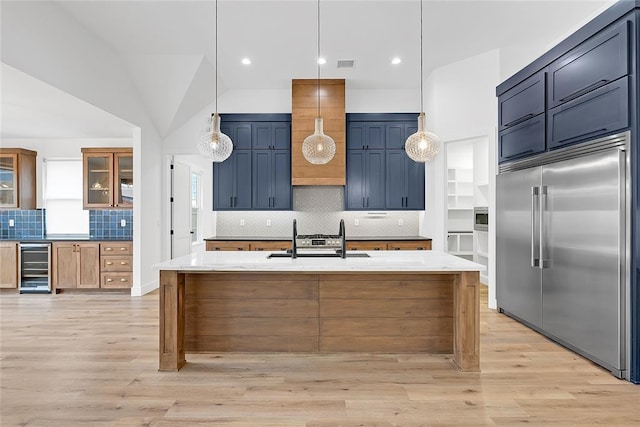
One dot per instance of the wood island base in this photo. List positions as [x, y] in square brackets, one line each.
[394, 312]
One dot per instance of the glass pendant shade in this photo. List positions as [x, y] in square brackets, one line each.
[318, 148]
[422, 146]
[213, 144]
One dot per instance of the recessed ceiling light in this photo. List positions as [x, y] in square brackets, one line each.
[322, 61]
[246, 61]
[396, 61]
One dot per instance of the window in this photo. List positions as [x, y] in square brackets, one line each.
[62, 196]
[196, 203]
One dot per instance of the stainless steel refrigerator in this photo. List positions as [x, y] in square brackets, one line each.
[562, 247]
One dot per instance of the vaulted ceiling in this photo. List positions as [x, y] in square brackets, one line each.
[168, 46]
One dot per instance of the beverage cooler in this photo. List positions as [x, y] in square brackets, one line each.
[34, 268]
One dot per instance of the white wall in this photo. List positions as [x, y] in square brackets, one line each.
[40, 39]
[460, 104]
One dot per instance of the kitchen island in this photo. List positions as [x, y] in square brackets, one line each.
[382, 302]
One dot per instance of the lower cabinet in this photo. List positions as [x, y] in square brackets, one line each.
[214, 245]
[8, 265]
[76, 265]
[116, 265]
[405, 245]
[92, 265]
[283, 245]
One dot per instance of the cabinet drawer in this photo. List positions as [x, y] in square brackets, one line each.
[410, 246]
[367, 246]
[271, 246]
[116, 248]
[227, 246]
[116, 263]
[522, 140]
[522, 102]
[116, 280]
[596, 62]
[599, 112]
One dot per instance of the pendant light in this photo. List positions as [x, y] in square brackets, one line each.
[213, 144]
[318, 148]
[422, 146]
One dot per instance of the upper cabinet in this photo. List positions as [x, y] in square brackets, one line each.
[17, 178]
[107, 178]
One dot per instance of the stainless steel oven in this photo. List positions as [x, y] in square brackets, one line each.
[481, 219]
[34, 265]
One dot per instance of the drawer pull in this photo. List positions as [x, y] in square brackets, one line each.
[520, 120]
[584, 90]
[123, 249]
[123, 263]
[109, 280]
[123, 280]
[109, 263]
[108, 249]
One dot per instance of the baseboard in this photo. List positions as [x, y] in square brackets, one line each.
[145, 289]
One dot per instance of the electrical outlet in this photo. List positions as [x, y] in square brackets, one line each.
[123, 223]
[12, 223]
[400, 221]
[356, 222]
[242, 223]
[268, 223]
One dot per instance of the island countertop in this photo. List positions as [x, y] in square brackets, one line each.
[377, 261]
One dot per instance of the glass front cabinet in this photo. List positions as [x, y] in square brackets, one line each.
[17, 178]
[108, 178]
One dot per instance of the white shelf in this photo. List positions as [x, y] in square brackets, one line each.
[482, 254]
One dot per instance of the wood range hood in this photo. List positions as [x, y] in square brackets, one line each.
[304, 108]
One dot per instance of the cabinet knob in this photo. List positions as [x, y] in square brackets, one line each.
[123, 280]
[109, 263]
[123, 263]
[108, 249]
[123, 249]
[109, 280]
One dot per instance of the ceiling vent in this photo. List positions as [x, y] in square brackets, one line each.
[346, 63]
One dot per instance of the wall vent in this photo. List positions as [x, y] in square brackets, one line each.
[346, 63]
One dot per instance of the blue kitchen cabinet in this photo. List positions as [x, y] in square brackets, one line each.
[405, 182]
[396, 134]
[365, 187]
[232, 182]
[239, 132]
[271, 180]
[366, 136]
[522, 140]
[522, 102]
[271, 136]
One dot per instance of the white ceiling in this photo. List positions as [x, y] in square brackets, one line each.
[168, 46]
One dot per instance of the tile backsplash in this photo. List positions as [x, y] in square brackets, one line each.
[22, 224]
[108, 224]
[317, 210]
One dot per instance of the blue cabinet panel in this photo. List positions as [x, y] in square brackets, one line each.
[395, 135]
[262, 137]
[522, 102]
[396, 178]
[232, 182]
[262, 171]
[375, 133]
[375, 179]
[365, 187]
[271, 136]
[281, 136]
[281, 180]
[596, 62]
[599, 112]
[242, 136]
[355, 187]
[415, 185]
[242, 199]
[522, 140]
[355, 136]
[271, 179]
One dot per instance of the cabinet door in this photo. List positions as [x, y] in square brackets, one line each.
[395, 136]
[242, 174]
[8, 180]
[281, 177]
[410, 246]
[8, 265]
[594, 63]
[375, 179]
[522, 140]
[65, 265]
[262, 182]
[521, 102]
[262, 136]
[355, 188]
[282, 136]
[98, 180]
[396, 179]
[123, 188]
[375, 136]
[599, 112]
[223, 182]
[88, 265]
[415, 185]
[366, 246]
[356, 136]
[217, 245]
[241, 136]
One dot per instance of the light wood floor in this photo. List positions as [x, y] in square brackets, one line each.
[92, 359]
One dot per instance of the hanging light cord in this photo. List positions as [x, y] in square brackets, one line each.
[421, 78]
[318, 59]
[216, 61]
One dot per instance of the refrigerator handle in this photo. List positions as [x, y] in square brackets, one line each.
[535, 225]
[544, 261]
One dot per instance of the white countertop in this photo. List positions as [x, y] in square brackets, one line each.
[382, 261]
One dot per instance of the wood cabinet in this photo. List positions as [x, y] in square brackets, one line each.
[107, 178]
[116, 265]
[283, 245]
[8, 265]
[76, 265]
[216, 245]
[17, 178]
[410, 245]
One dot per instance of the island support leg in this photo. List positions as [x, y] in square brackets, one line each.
[466, 327]
[171, 321]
